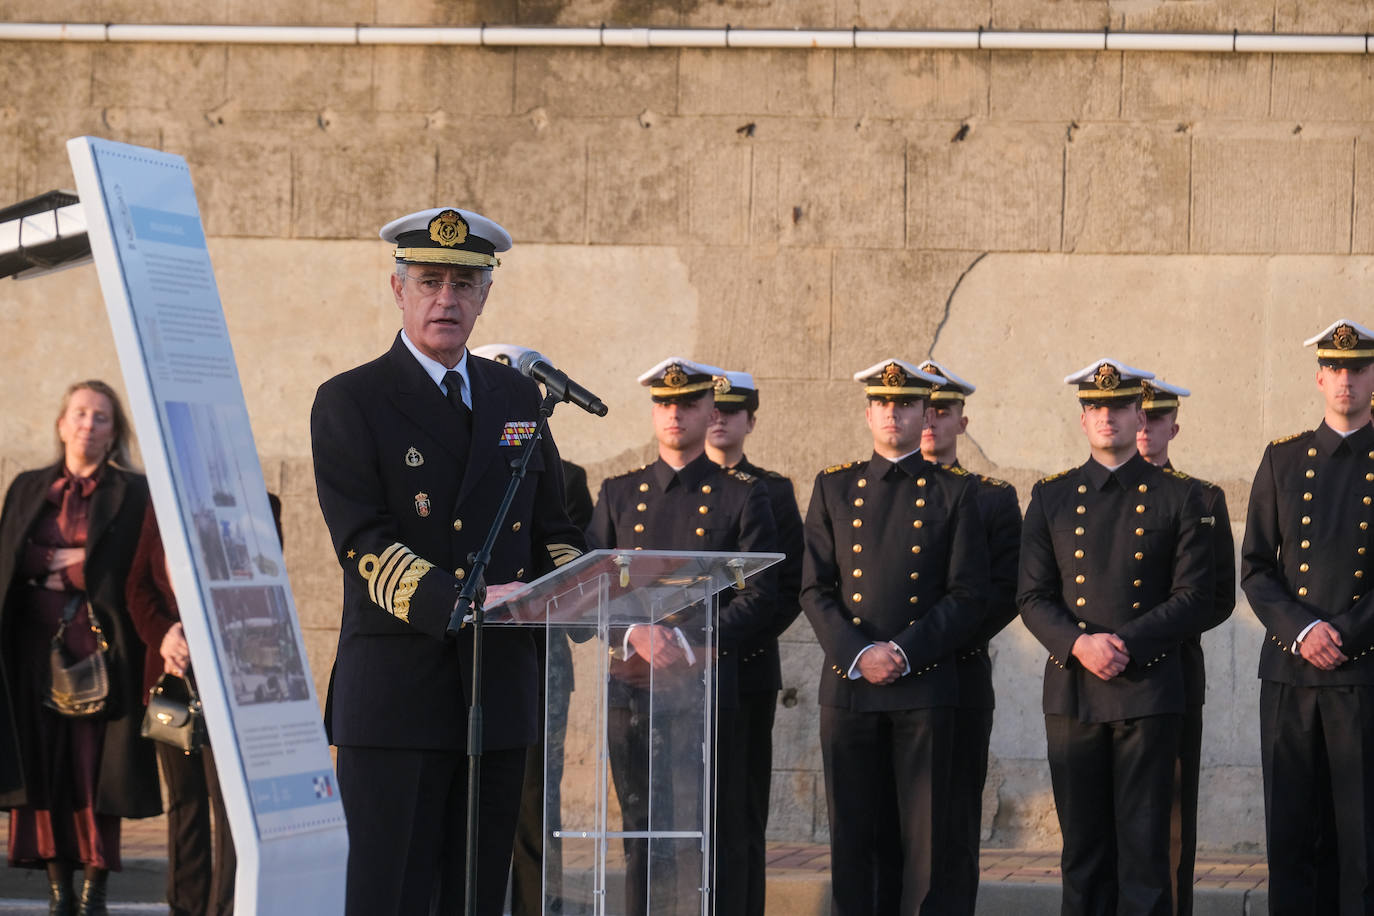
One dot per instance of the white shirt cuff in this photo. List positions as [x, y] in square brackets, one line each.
[1297, 643]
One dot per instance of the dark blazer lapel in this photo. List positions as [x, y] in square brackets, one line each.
[490, 410]
[420, 400]
[105, 502]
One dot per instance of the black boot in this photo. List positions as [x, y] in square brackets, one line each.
[61, 900]
[93, 893]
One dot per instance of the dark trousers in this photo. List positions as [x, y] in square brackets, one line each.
[537, 864]
[407, 822]
[1183, 817]
[200, 848]
[886, 774]
[1113, 788]
[753, 742]
[1317, 748]
[954, 881]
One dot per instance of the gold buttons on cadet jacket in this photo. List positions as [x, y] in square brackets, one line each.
[1307, 497]
[1078, 531]
[857, 523]
[519, 572]
[1312, 453]
[1082, 624]
[641, 507]
[639, 528]
[912, 600]
[857, 573]
[701, 532]
[857, 548]
[1081, 601]
[914, 576]
[1364, 525]
[1309, 473]
[1078, 554]
[915, 548]
[920, 504]
[1082, 488]
[1302, 591]
[1139, 509]
[856, 621]
[858, 502]
[706, 488]
[702, 510]
[1136, 583]
[1080, 578]
[460, 574]
[1139, 555]
[857, 596]
[1143, 489]
[918, 523]
[515, 527]
[457, 524]
[1305, 544]
[1369, 476]
[1307, 519]
[1081, 509]
[1139, 532]
[644, 488]
[863, 483]
[920, 481]
[1304, 568]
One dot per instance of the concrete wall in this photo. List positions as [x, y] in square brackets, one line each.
[800, 214]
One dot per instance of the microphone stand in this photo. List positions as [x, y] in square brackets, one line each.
[469, 604]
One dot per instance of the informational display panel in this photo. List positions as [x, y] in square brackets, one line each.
[222, 548]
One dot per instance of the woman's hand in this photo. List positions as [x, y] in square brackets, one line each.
[176, 655]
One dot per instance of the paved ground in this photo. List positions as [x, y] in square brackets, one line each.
[1014, 881]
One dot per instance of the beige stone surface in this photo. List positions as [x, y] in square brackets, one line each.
[1127, 189]
[1086, 85]
[1330, 16]
[243, 179]
[1322, 87]
[911, 84]
[41, 137]
[1195, 15]
[1253, 195]
[39, 75]
[1362, 234]
[899, 14]
[346, 188]
[796, 82]
[300, 77]
[604, 82]
[475, 81]
[1001, 188]
[1055, 15]
[1183, 87]
[173, 76]
[845, 193]
[748, 14]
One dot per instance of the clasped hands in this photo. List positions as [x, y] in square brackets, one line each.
[1103, 654]
[61, 558]
[1322, 647]
[881, 663]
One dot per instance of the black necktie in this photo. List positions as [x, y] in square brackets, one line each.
[453, 382]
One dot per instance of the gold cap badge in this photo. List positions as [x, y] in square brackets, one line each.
[448, 229]
[1107, 377]
[1345, 338]
[894, 376]
[675, 377]
[722, 385]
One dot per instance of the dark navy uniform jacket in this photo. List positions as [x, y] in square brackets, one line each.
[701, 507]
[408, 493]
[894, 552]
[1307, 553]
[1126, 552]
[760, 668]
[1000, 512]
[1223, 589]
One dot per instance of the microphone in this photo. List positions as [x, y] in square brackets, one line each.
[534, 366]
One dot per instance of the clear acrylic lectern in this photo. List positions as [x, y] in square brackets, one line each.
[628, 749]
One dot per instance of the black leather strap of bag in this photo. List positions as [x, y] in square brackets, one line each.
[69, 611]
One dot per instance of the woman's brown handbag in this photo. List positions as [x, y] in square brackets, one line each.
[80, 688]
[174, 715]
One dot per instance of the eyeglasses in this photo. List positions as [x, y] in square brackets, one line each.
[432, 286]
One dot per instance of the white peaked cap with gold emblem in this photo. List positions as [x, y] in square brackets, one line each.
[508, 354]
[952, 389]
[1107, 380]
[676, 377]
[1343, 340]
[736, 391]
[1160, 395]
[897, 378]
[448, 236]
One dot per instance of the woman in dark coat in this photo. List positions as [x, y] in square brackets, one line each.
[69, 531]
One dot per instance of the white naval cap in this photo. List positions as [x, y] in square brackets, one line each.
[1106, 380]
[736, 391]
[449, 236]
[1343, 340]
[953, 388]
[676, 377]
[897, 378]
[1160, 395]
[509, 354]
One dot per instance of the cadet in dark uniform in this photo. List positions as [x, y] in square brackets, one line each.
[894, 581]
[1305, 566]
[684, 501]
[537, 865]
[1116, 572]
[1160, 402]
[760, 668]
[411, 462]
[955, 881]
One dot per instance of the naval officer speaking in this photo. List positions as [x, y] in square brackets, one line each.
[412, 457]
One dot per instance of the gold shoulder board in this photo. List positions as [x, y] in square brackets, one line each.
[1284, 439]
[1055, 476]
[1177, 474]
[957, 471]
[744, 476]
[993, 481]
[839, 467]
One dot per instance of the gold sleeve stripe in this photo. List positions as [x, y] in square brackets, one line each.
[563, 553]
[393, 578]
[380, 571]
